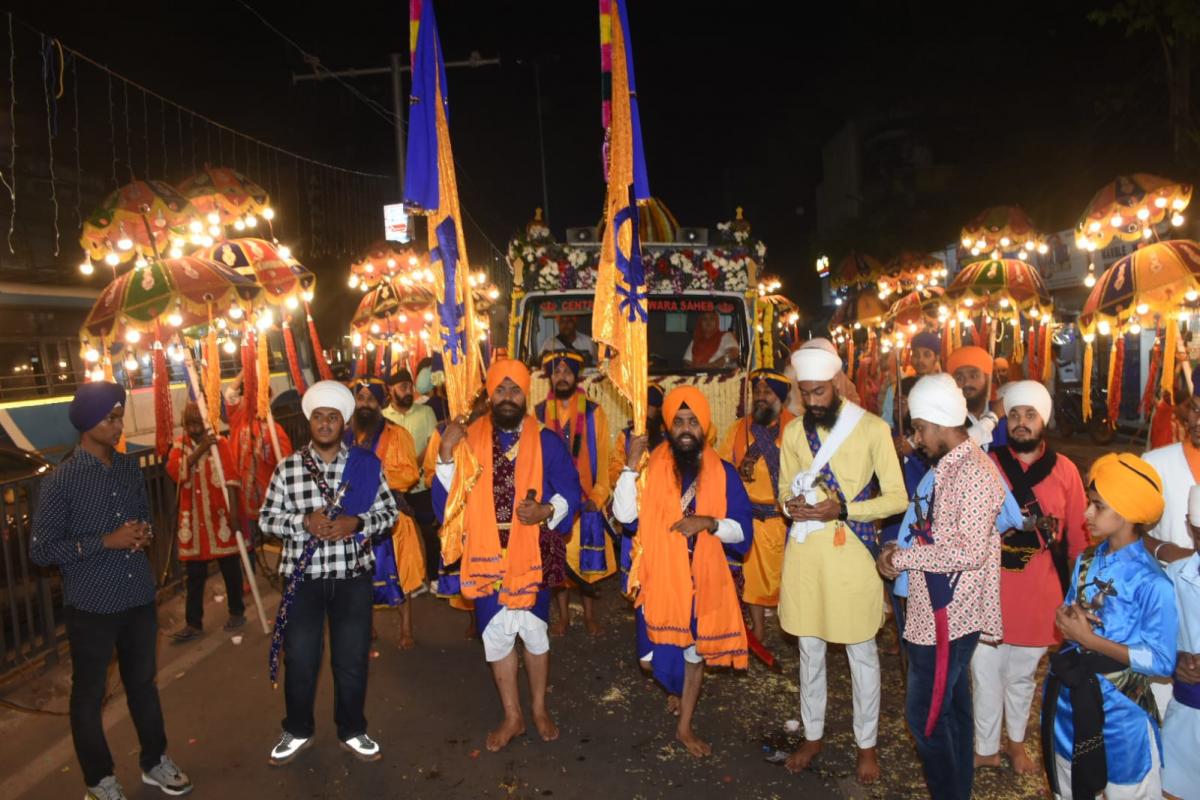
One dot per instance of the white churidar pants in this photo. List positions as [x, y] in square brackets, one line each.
[864, 679]
[1004, 680]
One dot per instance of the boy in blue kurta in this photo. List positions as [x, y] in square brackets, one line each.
[1100, 727]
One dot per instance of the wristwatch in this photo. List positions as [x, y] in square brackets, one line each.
[843, 513]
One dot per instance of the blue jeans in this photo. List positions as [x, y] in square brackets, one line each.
[348, 605]
[948, 756]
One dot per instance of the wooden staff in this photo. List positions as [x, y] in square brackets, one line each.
[209, 426]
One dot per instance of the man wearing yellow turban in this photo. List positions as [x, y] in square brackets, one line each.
[1120, 624]
[694, 525]
[524, 492]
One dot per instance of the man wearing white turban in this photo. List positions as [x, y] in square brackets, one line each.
[838, 475]
[1035, 560]
[949, 547]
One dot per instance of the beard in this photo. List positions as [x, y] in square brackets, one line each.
[654, 431]
[686, 452]
[1024, 445]
[508, 415]
[563, 392]
[816, 416]
[404, 402]
[763, 414]
[367, 418]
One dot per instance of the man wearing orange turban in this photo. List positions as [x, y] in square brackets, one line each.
[694, 521]
[583, 426]
[521, 490]
[971, 367]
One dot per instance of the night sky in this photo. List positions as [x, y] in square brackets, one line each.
[1024, 102]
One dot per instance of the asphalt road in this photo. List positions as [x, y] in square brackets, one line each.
[430, 708]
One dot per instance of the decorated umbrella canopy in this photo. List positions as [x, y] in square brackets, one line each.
[1129, 207]
[1157, 279]
[916, 307]
[174, 293]
[1002, 230]
[911, 270]
[385, 260]
[285, 281]
[864, 310]
[141, 219]
[1151, 286]
[225, 196]
[1003, 286]
[856, 269]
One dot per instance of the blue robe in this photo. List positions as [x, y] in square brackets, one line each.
[559, 477]
[1143, 617]
[668, 661]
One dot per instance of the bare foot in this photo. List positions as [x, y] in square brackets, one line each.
[471, 631]
[407, 642]
[694, 744]
[559, 627]
[988, 761]
[799, 760]
[1022, 764]
[593, 627]
[760, 633]
[510, 728]
[545, 726]
[673, 705]
[868, 766]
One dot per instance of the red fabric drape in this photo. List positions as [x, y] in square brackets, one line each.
[164, 415]
[293, 358]
[322, 366]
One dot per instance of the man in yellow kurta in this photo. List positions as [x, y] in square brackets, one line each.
[838, 475]
[584, 428]
[399, 561]
[753, 446]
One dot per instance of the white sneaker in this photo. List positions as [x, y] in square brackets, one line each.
[433, 587]
[364, 747]
[167, 775]
[287, 748]
[106, 789]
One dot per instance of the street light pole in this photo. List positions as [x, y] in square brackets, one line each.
[537, 88]
[398, 107]
[396, 69]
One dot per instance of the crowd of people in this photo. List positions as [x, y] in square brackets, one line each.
[948, 517]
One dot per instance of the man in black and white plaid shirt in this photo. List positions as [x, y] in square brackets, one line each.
[338, 582]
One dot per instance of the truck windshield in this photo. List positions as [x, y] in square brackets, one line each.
[687, 333]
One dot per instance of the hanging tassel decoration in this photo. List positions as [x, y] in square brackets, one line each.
[247, 408]
[212, 374]
[1116, 368]
[850, 356]
[1047, 356]
[293, 358]
[1088, 358]
[1149, 391]
[1018, 346]
[322, 366]
[1031, 353]
[164, 417]
[262, 408]
[1170, 347]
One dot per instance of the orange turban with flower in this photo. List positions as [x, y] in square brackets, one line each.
[691, 397]
[507, 368]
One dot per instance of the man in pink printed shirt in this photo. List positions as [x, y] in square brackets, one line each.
[954, 593]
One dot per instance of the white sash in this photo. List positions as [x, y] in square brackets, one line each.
[804, 482]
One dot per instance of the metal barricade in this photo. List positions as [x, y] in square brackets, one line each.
[31, 597]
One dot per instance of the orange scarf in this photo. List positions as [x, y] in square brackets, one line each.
[1193, 458]
[741, 437]
[669, 585]
[517, 569]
